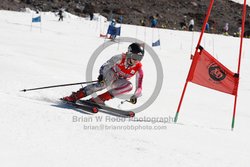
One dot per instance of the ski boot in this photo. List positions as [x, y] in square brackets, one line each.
[101, 98]
[74, 96]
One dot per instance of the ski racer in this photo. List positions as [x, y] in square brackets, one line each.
[115, 75]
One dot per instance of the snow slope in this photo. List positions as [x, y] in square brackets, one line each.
[37, 131]
[242, 1]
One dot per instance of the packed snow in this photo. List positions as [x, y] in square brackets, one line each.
[242, 2]
[36, 130]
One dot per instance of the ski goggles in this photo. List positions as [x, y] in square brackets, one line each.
[134, 56]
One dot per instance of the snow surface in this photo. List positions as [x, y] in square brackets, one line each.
[242, 1]
[37, 131]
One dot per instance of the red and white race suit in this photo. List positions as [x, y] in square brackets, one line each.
[116, 73]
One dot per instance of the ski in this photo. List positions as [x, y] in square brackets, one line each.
[81, 107]
[107, 109]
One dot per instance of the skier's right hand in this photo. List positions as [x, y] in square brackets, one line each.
[133, 99]
[100, 78]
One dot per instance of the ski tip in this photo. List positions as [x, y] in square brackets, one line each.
[61, 99]
[131, 114]
[65, 101]
[95, 110]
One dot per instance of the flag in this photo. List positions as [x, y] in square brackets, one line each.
[114, 30]
[118, 31]
[157, 43]
[36, 19]
[209, 72]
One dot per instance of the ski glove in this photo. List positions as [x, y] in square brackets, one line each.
[133, 99]
[100, 78]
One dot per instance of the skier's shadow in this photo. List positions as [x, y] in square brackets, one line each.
[65, 106]
[82, 111]
[113, 114]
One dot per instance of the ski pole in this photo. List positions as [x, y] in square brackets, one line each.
[122, 102]
[54, 86]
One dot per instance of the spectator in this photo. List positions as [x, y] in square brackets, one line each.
[207, 27]
[142, 22]
[191, 25]
[154, 20]
[239, 31]
[183, 24]
[120, 19]
[225, 29]
[60, 14]
[91, 15]
[113, 25]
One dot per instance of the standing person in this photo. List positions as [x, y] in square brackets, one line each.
[60, 13]
[91, 15]
[183, 24]
[120, 19]
[90, 9]
[113, 31]
[115, 75]
[154, 20]
[142, 22]
[226, 28]
[207, 28]
[239, 32]
[191, 25]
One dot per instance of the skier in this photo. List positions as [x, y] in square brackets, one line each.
[114, 75]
